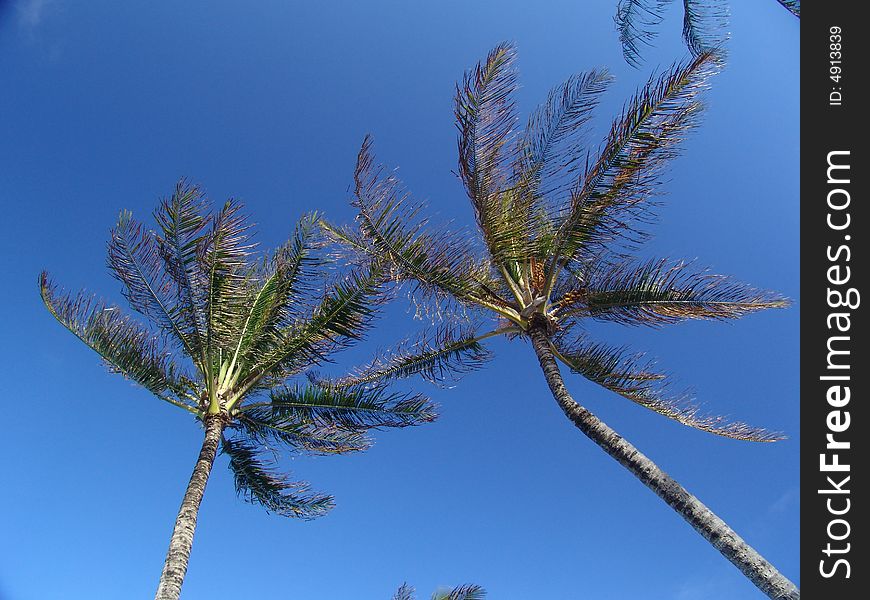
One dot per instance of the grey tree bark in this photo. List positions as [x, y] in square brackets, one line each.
[763, 574]
[181, 541]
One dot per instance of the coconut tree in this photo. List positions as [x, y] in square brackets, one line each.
[555, 227]
[463, 592]
[705, 24]
[224, 335]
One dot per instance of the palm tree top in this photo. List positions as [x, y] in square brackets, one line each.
[227, 332]
[557, 221]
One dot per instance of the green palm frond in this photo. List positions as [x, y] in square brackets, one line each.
[659, 292]
[625, 173]
[439, 263]
[279, 302]
[485, 117]
[632, 377]
[405, 592]
[550, 151]
[135, 259]
[705, 25]
[438, 356]
[268, 426]
[636, 21]
[224, 254]
[124, 345]
[792, 6]
[552, 144]
[182, 219]
[342, 317]
[258, 483]
[352, 409]
[463, 592]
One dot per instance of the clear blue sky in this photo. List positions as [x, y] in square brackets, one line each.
[105, 105]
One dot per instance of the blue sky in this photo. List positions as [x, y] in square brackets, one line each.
[105, 105]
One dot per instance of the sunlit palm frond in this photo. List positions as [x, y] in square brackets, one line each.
[705, 25]
[283, 285]
[124, 345]
[636, 21]
[550, 152]
[485, 117]
[405, 592]
[440, 263]
[441, 355]
[267, 426]
[342, 317]
[631, 376]
[626, 171]
[257, 482]
[134, 258]
[353, 409]
[224, 254]
[182, 219]
[463, 592]
[792, 6]
[659, 292]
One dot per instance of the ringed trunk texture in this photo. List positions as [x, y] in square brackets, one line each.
[763, 574]
[181, 541]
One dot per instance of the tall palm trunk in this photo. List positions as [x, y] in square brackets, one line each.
[181, 541]
[715, 530]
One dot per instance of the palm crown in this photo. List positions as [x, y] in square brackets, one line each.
[555, 223]
[227, 332]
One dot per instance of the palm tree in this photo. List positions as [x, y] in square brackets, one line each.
[463, 592]
[705, 24]
[555, 227]
[226, 333]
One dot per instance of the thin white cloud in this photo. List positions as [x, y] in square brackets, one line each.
[32, 12]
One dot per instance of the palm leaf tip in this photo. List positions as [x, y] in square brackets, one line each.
[658, 292]
[257, 483]
[633, 377]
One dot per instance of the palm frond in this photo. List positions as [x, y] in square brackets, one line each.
[224, 255]
[792, 6]
[658, 292]
[463, 592]
[439, 263]
[631, 376]
[405, 592]
[705, 25]
[342, 317]
[438, 356]
[551, 148]
[124, 345]
[277, 302]
[265, 425]
[257, 483]
[616, 186]
[135, 259]
[485, 117]
[183, 219]
[636, 21]
[352, 409]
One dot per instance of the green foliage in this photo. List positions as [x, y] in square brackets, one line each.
[463, 592]
[224, 330]
[557, 222]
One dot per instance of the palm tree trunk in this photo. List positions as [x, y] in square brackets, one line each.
[181, 541]
[715, 530]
